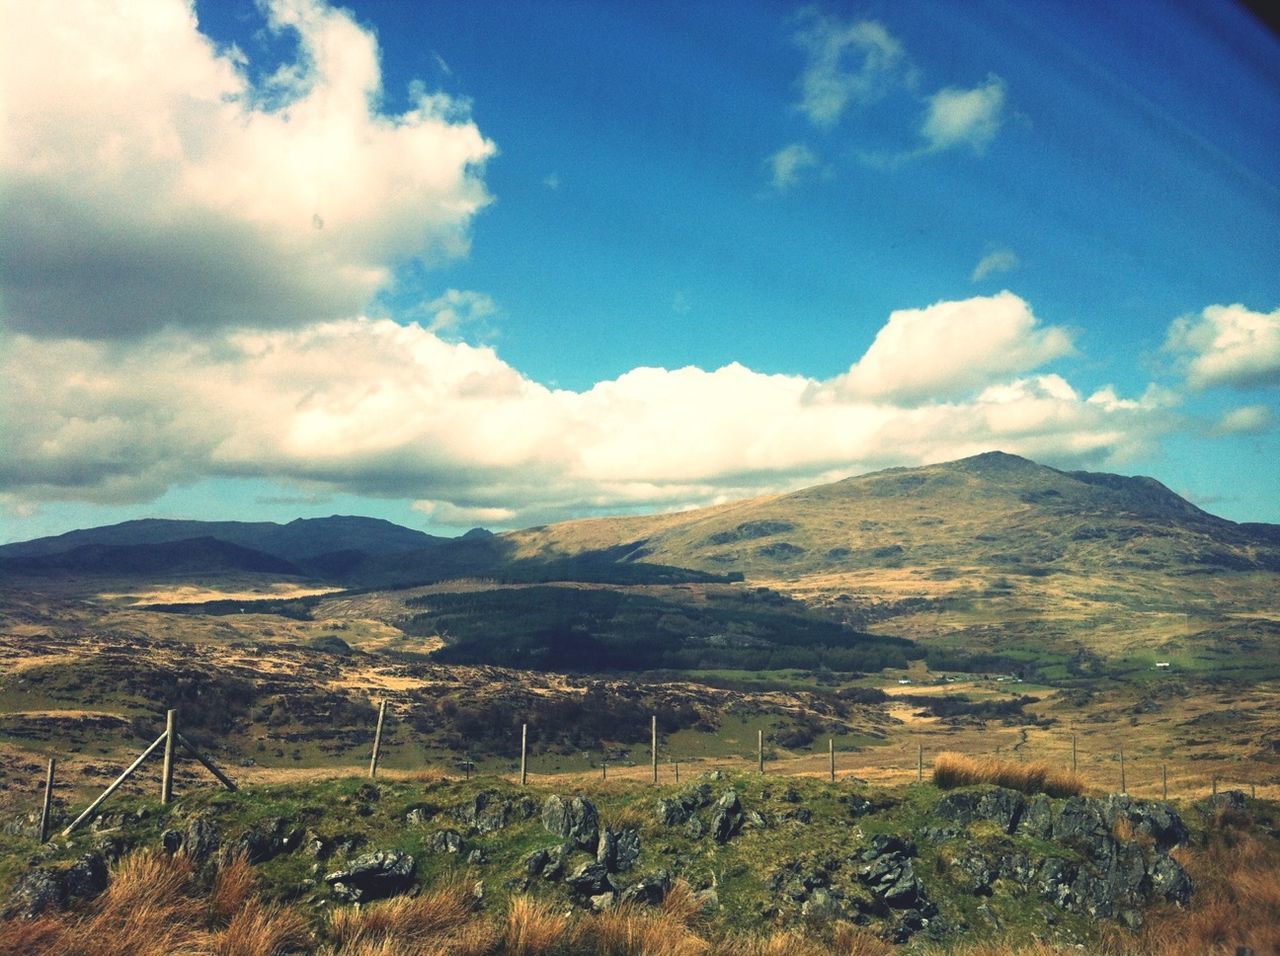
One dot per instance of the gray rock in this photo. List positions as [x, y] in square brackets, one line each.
[477, 857]
[821, 907]
[602, 901]
[54, 887]
[726, 818]
[489, 811]
[1150, 818]
[996, 804]
[651, 890]
[1169, 881]
[589, 879]
[574, 819]
[618, 850]
[373, 876]
[537, 861]
[446, 841]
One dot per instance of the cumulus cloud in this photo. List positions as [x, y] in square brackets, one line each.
[964, 117]
[1246, 420]
[150, 182]
[952, 348]
[789, 163]
[458, 307]
[998, 260]
[1228, 345]
[376, 408]
[847, 63]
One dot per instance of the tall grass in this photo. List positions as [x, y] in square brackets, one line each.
[534, 928]
[956, 770]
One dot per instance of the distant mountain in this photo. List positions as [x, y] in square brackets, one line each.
[992, 511]
[301, 541]
[191, 556]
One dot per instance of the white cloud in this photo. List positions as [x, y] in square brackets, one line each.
[1228, 345]
[788, 163]
[456, 308]
[1246, 420]
[848, 63]
[150, 183]
[371, 407]
[951, 349]
[996, 261]
[960, 117]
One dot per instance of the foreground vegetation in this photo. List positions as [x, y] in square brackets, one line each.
[737, 897]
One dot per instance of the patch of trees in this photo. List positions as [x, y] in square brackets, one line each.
[575, 629]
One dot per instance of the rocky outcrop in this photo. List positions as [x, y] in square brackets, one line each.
[573, 819]
[55, 887]
[373, 876]
[1115, 860]
[726, 819]
[619, 850]
[489, 811]
[680, 808]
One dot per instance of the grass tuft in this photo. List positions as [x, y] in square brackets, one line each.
[956, 770]
[534, 928]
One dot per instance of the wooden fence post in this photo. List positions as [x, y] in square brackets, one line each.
[166, 776]
[524, 754]
[115, 785]
[1073, 753]
[760, 749]
[47, 806]
[1164, 779]
[1215, 786]
[206, 763]
[378, 740]
[1123, 789]
[676, 764]
[653, 744]
[919, 763]
[831, 757]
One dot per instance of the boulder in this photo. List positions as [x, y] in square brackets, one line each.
[1150, 818]
[651, 890]
[996, 804]
[726, 818]
[618, 850]
[54, 887]
[446, 841]
[573, 819]
[589, 879]
[373, 876]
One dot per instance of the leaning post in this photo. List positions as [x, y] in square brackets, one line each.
[653, 744]
[170, 738]
[377, 740]
[47, 806]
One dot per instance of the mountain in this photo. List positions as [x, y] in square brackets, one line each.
[190, 556]
[991, 511]
[300, 541]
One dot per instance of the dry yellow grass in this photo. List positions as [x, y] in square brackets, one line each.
[534, 928]
[956, 770]
[404, 921]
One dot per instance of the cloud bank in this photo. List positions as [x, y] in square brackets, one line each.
[154, 184]
[1228, 345]
[378, 408]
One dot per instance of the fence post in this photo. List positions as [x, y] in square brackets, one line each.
[831, 757]
[604, 766]
[524, 754]
[760, 749]
[1215, 786]
[676, 763]
[170, 738]
[1123, 789]
[653, 744]
[1164, 779]
[377, 740]
[115, 784]
[1073, 752]
[48, 801]
[919, 763]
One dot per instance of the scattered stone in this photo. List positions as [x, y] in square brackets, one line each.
[373, 876]
[477, 857]
[446, 841]
[55, 887]
[651, 890]
[589, 879]
[726, 820]
[575, 820]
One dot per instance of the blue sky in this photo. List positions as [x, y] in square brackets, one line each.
[468, 263]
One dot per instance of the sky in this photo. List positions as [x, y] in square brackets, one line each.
[500, 264]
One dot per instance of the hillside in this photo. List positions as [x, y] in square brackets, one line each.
[994, 511]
